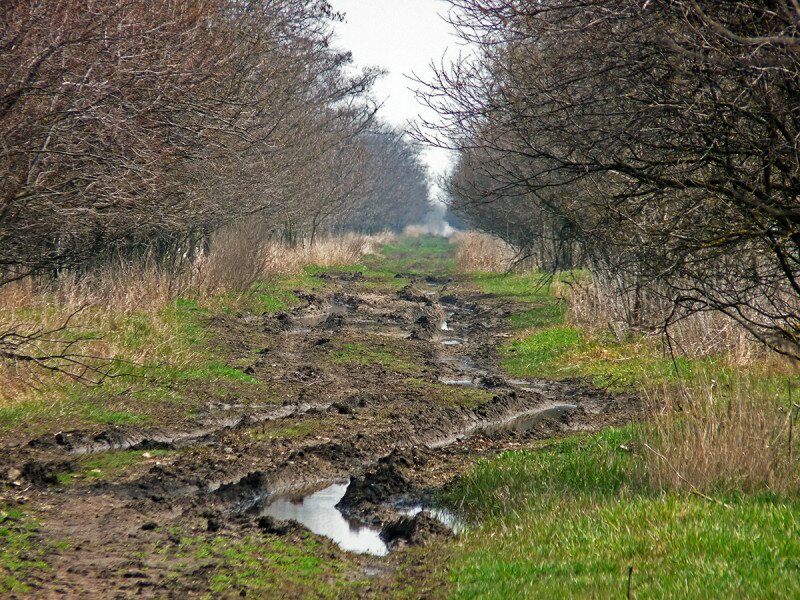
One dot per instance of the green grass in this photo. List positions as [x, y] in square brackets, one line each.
[568, 519]
[176, 344]
[562, 352]
[109, 464]
[379, 352]
[533, 288]
[21, 553]
[548, 348]
[424, 255]
[261, 566]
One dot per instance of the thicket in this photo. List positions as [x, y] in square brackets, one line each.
[654, 142]
[136, 135]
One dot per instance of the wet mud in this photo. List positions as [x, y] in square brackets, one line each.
[382, 396]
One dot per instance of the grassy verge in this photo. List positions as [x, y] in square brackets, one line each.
[571, 518]
[21, 553]
[700, 500]
[161, 354]
[424, 255]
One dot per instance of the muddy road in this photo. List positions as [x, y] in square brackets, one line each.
[381, 395]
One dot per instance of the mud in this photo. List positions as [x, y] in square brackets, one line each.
[422, 529]
[394, 392]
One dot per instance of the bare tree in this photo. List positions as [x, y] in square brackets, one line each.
[661, 136]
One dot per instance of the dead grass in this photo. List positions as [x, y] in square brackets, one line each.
[698, 335]
[126, 312]
[480, 252]
[730, 436]
[325, 252]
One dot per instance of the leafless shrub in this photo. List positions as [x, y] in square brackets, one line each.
[235, 260]
[695, 335]
[652, 142]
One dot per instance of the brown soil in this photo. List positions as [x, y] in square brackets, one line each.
[371, 389]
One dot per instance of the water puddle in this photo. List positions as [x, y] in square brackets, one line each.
[527, 421]
[462, 382]
[452, 342]
[317, 511]
[444, 516]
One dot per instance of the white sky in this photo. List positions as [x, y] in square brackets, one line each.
[401, 37]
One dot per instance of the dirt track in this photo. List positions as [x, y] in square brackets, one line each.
[372, 380]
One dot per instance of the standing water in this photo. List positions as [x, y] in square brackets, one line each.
[318, 513]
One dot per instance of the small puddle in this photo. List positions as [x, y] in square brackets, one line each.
[525, 422]
[451, 520]
[452, 342]
[462, 382]
[317, 511]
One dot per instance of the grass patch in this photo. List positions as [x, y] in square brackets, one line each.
[264, 566]
[423, 255]
[389, 356]
[534, 288]
[566, 352]
[21, 552]
[156, 352]
[109, 464]
[568, 520]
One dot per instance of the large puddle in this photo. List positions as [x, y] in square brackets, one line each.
[317, 511]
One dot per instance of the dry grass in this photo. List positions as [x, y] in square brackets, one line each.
[480, 252]
[117, 313]
[698, 335]
[722, 437]
[326, 252]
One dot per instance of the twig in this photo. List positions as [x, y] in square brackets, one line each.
[630, 576]
[791, 424]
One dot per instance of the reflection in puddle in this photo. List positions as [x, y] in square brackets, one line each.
[452, 342]
[525, 422]
[451, 520]
[318, 513]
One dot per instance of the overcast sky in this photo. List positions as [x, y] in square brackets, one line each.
[401, 37]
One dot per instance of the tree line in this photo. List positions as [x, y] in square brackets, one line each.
[656, 142]
[134, 129]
